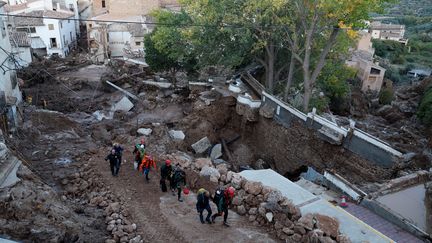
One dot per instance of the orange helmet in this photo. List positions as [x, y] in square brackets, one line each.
[231, 191]
[168, 162]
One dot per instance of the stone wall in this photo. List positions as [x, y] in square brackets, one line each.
[262, 205]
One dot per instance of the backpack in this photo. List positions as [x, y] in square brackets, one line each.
[179, 175]
[219, 194]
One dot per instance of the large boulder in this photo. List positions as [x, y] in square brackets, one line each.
[144, 131]
[253, 187]
[210, 172]
[236, 180]
[274, 196]
[202, 145]
[329, 225]
[181, 158]
[222, 168]
[177, 135]
[202, 162]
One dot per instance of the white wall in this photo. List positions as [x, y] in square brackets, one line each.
[117, 41]
[25, 57]
[5, 77]
[63, 48]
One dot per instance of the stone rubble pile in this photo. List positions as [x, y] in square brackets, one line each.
[265, 206]
[85, 188]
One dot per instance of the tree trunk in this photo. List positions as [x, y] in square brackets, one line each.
[270, 50]
[307, 91]
[290, 77]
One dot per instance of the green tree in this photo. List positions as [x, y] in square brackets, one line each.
[333, 82]
[316, 21]
[424, 112]
[167, 48]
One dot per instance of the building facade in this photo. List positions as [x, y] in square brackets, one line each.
[121, 40]
[10, 95]
[394, 32]
[53, 30]
[370, 73]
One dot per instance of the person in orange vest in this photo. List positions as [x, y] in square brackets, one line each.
[146, 163]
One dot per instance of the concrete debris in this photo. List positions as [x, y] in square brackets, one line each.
[123, 105]
[123, 91]
[177, 135]
[163, 85]
[100, 115]
[216, 152]
[269, 216]
[144, 131]
[202, 145]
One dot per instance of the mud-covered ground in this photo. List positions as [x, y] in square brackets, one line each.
[64, 144]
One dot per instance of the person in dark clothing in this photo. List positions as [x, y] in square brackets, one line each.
[119, 152]
[203, 203]
[166, 171]
[114, 161]
[223, 201]
[179, 181]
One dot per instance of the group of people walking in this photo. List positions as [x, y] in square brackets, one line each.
[176, 177]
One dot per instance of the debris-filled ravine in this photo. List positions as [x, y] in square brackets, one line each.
[71, 119]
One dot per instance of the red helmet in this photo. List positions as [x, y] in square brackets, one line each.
[186, 191]
[231, 191]
[168, 162]
[142, 141]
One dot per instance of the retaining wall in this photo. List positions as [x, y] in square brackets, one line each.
[355, 140]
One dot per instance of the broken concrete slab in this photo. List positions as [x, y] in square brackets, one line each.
[144, 131]
[123, 105]
[122, 90]
[202, 145]
[100, 115]
[164, 85]
[216, 152]
[177, 135]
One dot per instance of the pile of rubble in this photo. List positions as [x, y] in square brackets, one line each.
[262, 205]
[87, 189]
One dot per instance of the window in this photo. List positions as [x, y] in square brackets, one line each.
[138, 43]
[375, 71]
[53, 42]
[71, 7]
[64, 40]
[50, 26]
[68, 21]
[70, 35]
[61, 24]
[28, 30]
[103, 4]
[90, 25]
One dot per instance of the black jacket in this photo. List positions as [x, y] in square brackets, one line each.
[202, 200]
[166, 171]
[113, 158]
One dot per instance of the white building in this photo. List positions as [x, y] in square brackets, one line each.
[53, 31]
[21, 48]
[394, 32]
[10, 95]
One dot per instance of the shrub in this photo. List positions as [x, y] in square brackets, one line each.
[424, 112]
[386, 96]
